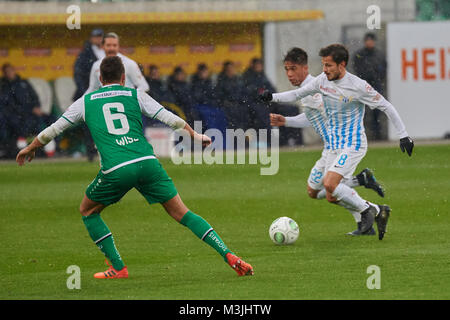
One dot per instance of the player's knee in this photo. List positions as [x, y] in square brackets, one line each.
[329, 186]
[83, 211]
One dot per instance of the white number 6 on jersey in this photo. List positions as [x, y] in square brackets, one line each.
[110, 117]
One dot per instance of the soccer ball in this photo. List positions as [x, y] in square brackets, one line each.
[284, 230]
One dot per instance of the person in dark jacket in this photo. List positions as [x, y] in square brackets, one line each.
[229, 91]
[256, 82]
[20, 111]
[158, 91]
[177, 84]
[369, 63]
[92, 51]
[202, 89]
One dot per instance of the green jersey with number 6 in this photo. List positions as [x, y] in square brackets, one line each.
[114, 118]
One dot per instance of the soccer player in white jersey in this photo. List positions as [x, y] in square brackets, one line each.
[344, 96]
[296, 67]
[133, 75]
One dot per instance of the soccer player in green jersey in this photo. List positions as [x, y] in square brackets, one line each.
[113, 116]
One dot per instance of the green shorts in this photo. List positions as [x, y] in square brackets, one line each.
[147, 176]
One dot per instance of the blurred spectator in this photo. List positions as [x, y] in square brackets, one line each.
[92, 51]
[229, 91]
[202, 90]
[157, 88]
[205, 102]
[20, 112]
[179, 87]
[369, 63]
[159, 92]
[255, 82]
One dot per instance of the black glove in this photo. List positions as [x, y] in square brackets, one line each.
[265, 96]
[407, 144]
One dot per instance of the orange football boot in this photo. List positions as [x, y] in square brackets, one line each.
[241, 267]
[112, 273]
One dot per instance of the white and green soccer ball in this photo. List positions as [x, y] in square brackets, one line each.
[284, 230]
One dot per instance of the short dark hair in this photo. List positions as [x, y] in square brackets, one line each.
[297, 56]
[255, 60]
[371, 36]
[111, 69]
[110, 35]
[337, 52]
[177, 70]
[6, 65]
[152, 67]
[227, 63]
[202, 67]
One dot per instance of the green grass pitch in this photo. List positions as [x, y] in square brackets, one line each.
[41, 233]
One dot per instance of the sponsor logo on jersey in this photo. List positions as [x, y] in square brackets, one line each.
[327, 89]
[126, 140]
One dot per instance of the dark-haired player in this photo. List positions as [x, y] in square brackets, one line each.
[344, 96]
[296, 67]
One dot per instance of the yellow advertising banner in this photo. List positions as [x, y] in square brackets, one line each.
[50, 51]
[162, 17]
[41, 45]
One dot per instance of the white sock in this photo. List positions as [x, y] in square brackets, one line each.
[352, 182]
[349, 198]
[356, 215]
[322, 194]
[376, 206]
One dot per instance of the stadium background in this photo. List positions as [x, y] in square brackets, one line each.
[35, 39]
[41, 231]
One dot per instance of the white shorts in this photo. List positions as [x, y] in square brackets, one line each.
[344, 161]
[341, 161]
[315, 180]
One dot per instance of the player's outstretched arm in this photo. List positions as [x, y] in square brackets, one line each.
[277, 120]
[298, 121]
[152, 109]
[29, 152]
[44, 137]
[73, 114]
[374, 100]
[204, 139]
[406, 142]
[292, 95]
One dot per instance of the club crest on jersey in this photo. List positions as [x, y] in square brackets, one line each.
[345, 99]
